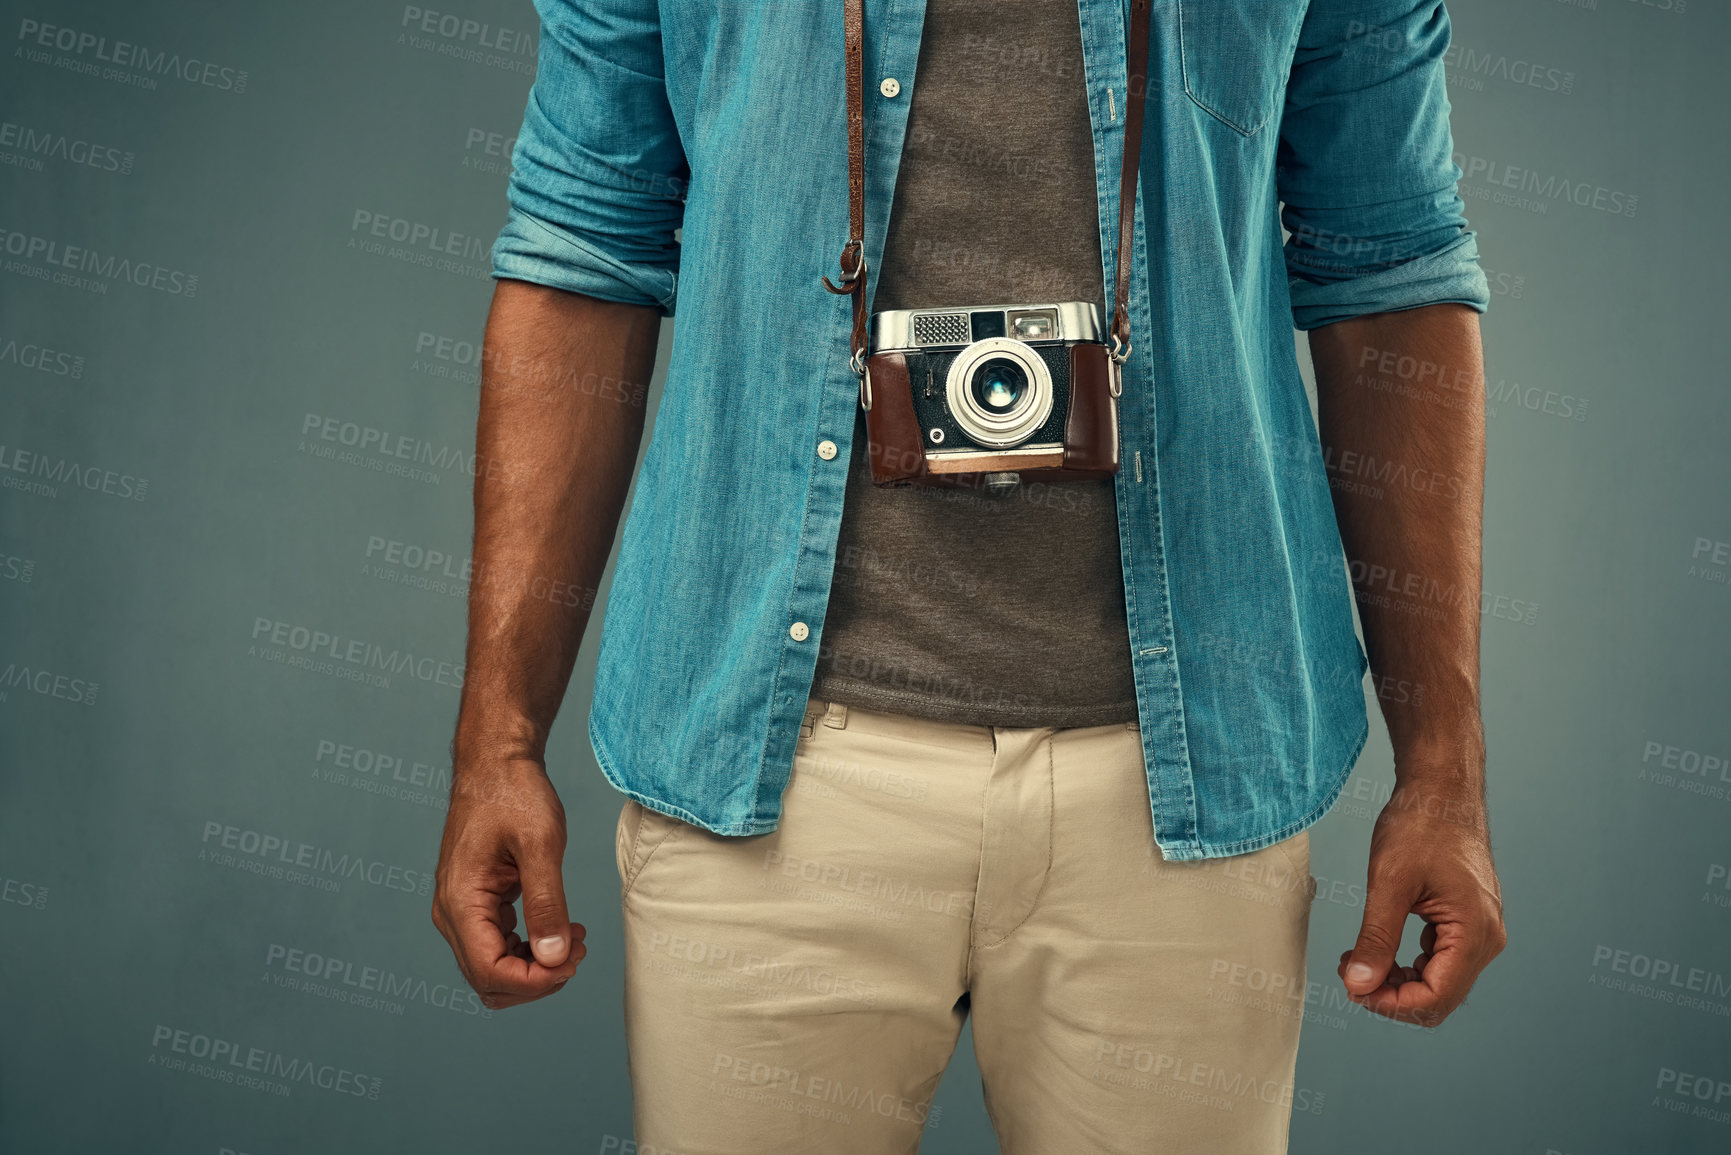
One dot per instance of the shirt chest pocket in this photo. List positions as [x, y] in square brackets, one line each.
[1236, 57]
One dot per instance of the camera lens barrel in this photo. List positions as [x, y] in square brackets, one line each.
[999, 391]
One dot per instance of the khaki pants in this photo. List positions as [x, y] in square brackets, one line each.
[802, 991]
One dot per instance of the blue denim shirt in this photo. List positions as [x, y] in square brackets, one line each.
[727, 117]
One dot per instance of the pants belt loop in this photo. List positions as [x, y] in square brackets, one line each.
[835, 717]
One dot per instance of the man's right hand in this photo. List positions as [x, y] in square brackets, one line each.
[505, 840]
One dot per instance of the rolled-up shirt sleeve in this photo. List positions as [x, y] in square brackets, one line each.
[1366, 173]
[598, 173]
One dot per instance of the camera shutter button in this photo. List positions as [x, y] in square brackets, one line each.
[826, 449]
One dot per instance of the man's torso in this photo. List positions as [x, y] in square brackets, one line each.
[986, 605]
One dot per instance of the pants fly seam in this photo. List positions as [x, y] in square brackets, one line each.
[980, 863]
[1051, 821]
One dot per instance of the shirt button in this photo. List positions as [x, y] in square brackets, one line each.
[798, 631]
[890, 86]
[826, 450]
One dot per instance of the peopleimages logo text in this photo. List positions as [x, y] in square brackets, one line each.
[356, 652]
[51, 145]
[95, 263]
[327, 975]
[1545, 187]
[282, 851]
[464, 30]
[52, 471]
[124, 54]
[262, 1062]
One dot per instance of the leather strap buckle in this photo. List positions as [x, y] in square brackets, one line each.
[849, 279]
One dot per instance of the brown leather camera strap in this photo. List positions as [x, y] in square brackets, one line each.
[853, 263]
[1134, 98]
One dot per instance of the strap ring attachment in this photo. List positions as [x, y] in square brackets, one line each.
[1118, 352]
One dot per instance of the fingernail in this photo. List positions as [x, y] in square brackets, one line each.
[1359, 974]
[552, 945]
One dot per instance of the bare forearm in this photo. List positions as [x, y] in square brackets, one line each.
[1401, 408]
[561, 417]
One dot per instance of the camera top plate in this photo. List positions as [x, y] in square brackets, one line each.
[953, 327]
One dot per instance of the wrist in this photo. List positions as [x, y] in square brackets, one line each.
[1440, 772]
[1439, 766]
[1440, 746]
[494, 737]
[1432, 801]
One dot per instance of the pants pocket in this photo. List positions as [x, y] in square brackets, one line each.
[625, 839]
[1296, 851]
[640, 833]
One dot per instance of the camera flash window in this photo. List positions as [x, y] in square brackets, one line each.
[1034, 325]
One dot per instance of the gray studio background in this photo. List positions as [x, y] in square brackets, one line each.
[194, 814]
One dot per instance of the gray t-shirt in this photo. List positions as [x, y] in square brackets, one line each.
[983, 606]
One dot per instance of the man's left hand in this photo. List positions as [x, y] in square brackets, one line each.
[1430, 855]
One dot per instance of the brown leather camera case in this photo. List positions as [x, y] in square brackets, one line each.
[898, 445]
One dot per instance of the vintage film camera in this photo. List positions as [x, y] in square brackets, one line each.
[957, 392]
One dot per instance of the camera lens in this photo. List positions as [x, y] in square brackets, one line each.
[999, 385]
[999, 391]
